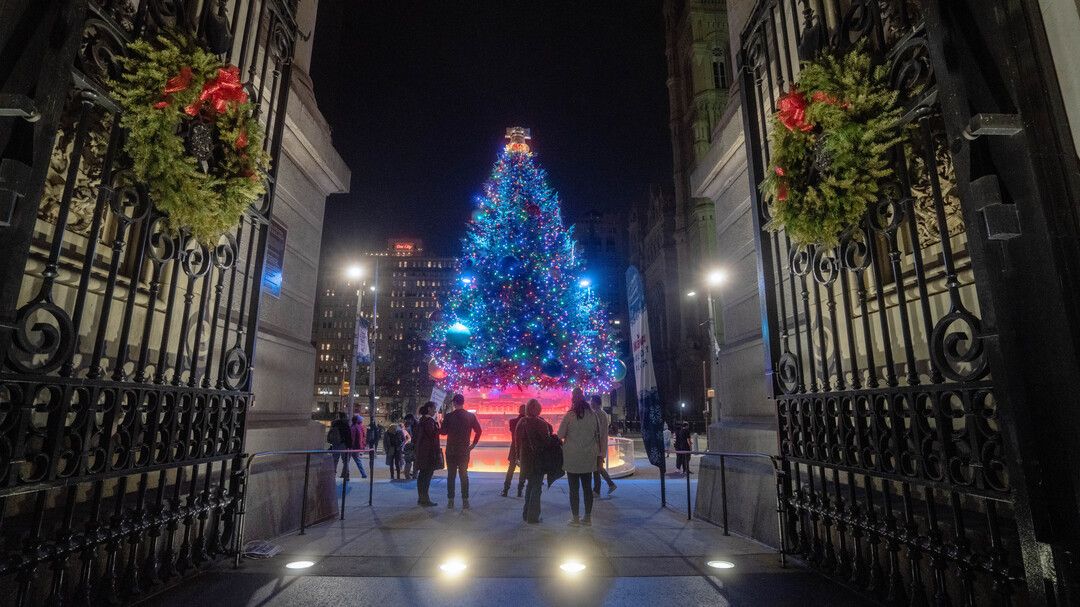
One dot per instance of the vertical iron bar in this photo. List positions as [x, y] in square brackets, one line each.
[723, 498]
[303, 496]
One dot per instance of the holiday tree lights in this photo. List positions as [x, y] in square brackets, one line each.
[522, 314]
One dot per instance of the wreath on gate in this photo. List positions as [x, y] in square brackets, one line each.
[192, 135]
[830, 143]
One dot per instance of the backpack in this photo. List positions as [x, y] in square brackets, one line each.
[333, 436]
[551, 458]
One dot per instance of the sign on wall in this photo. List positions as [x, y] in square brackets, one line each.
[275, 258]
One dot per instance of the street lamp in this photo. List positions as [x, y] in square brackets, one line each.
[354, 272]
[714, 279]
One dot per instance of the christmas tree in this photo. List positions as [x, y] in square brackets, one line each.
[523, 314]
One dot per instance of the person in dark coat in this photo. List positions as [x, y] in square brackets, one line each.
[458, 426]
[427, 453]
[393, 442]
[531, 436]
[514, 457]
[682, 443]
[343, 440]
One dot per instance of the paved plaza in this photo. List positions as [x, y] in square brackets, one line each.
[636, 553]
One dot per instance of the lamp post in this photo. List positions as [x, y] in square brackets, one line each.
[355, 273]
[713, 280]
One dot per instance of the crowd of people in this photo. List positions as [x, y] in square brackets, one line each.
[537, 452]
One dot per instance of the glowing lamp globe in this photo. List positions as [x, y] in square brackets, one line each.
[552, 367]
[457, 336]
[435, 371]
[620, 371]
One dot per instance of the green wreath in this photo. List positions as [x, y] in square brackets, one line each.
[192, 135]
[830, 145]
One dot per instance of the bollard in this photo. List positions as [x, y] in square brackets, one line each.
[723, 493]
[371, 476]
[303, 496]
[344, 485]
[689, 513]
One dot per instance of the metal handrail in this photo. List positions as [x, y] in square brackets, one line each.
[775, 460]
[307, 453]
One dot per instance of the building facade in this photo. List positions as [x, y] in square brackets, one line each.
[916, 412]
[699, 75]
[602, 239]
[409, 288]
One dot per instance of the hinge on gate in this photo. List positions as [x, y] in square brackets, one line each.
[1002, 220]
[18, 106]
[994, 125]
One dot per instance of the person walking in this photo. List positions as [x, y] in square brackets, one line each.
[393, 441]
[580, 433]
[426, 439]
[531, 434]
[601, 469]
[682, 443]
[513, 457]
[340, 437]
[458, 425]
[359, 441]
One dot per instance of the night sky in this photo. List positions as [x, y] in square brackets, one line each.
[419, 94]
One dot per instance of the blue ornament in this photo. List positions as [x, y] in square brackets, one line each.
[552, 367]
[457, 336]
[510, 265]
[620, 370]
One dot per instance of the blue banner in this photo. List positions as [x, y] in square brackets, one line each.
[650, 411]
[363, 349]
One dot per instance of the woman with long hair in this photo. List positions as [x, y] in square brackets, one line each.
[531, 436]
[580, 432]
[427, 453]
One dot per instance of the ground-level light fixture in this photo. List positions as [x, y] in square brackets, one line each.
[718, 564]
[572, 566]
[299, 564]
[453, 567]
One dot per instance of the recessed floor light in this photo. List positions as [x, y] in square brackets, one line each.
[299, 564]
[453, 567]
[721, 564]
[572, 567]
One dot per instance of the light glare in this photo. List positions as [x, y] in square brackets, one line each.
[717, 277]
[299, 564]
[453, 567]
[354, 272]
[572, 567]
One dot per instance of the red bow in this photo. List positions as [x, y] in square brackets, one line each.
[220, 92]
[792, 112]
[174, 85]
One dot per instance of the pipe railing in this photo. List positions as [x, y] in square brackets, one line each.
[774, 460]
[307, 453]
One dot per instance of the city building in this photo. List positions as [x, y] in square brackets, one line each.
[602, 239]
[409, 287]
[699, 75]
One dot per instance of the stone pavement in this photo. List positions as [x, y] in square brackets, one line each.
[636, 554]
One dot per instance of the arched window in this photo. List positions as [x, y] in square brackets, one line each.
[719, 69]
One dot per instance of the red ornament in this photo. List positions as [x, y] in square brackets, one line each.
[160, 105]
[792, 112]
[241, 140]
[220, 92]
[781, 185]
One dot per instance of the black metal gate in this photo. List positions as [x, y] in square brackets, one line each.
[126, 351]
[899, 473]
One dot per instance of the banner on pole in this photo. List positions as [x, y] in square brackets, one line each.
[363, 350]
[650, 410]
[438, 396]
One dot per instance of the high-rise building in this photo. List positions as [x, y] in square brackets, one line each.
[409, 286]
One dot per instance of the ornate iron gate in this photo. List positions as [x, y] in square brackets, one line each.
[897, 476]
[126, 350]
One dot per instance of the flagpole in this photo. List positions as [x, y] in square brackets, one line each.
[371, 374]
